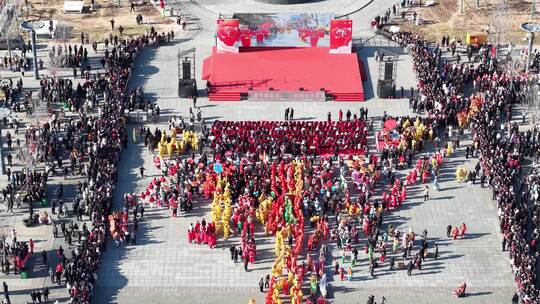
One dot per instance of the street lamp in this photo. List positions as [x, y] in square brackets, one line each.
[4, 112]
[32, 26]
[530, 28]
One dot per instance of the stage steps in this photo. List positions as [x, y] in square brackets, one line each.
[348, 96]
[236, 96]
[224, 96]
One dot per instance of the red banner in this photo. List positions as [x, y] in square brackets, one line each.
[341, 36]
[228, 34]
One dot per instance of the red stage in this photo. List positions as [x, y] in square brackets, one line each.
[283, 69]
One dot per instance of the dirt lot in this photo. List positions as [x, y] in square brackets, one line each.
[445, 18]
[97, 23]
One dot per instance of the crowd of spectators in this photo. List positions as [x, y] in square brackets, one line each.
[83, 144]
[101, 148]
[502, 146]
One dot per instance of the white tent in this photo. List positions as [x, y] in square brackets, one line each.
[73, 6]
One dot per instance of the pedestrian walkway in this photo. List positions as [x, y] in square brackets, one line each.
[42, 235]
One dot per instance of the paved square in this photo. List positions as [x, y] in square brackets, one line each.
[164, 268]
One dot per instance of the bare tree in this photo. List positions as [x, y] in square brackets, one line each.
[56, 62]
[500, 25]
[530, 96]
[57, 57]
[62, 33]
[9, 21]
[27, 156]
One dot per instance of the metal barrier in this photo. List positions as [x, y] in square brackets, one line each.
[137, 116]
[379, 39]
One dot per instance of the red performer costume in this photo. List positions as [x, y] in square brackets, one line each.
[462, 230]
[455, 233]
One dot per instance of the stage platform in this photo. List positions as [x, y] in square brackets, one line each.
[283, 70]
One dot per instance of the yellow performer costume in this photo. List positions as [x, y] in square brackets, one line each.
[227, 212]
[217, 211]
[449, 149]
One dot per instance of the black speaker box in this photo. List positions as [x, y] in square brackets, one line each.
[186, 70]
[386, 89]
[388, 70]
[187, 88]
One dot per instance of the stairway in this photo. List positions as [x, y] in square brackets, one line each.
[224, 96]
[348, 96]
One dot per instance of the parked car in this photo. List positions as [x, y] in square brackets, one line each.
[15, 43]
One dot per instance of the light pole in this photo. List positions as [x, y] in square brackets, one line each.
[530, 28]
[34, 54]
[534, 101]
[530, 38]
[4, 112]
[31, 27]
[4, 251]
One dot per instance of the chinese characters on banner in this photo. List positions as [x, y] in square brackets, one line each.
[286, 96]
[228, 34]
[341, 36]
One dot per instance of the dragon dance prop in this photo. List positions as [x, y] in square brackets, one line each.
[265, 204]
[217, 210]
[221, 202]
[412, 134]
[284, 218]
[245, 220]
[169, 146]
[462, 118]
[118, 224]
[227, 213]
[474, 107]
[209, 185]
[280, 212]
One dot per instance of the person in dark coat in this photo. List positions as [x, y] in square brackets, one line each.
[232, 249]
[515, 299]
[261, 285]
[33, 296]
[44, 257]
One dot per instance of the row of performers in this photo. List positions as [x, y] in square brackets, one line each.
[202, 233]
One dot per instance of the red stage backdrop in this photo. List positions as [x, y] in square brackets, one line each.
[228, 34]
[341, 36]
